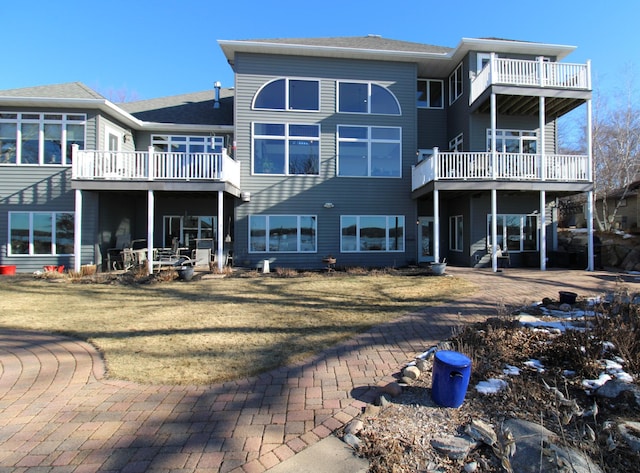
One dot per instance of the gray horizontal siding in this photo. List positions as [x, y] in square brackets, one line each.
[306, 194]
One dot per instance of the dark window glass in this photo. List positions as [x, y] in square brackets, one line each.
[272, 96]
[303, 95]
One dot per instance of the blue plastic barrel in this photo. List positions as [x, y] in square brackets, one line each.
[450, 378]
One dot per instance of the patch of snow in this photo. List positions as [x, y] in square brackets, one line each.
[511, 370]
[596, 383]
[535, 364]
[491, 386]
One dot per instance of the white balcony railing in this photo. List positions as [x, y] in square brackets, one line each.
[537, 73]
[153, 165]
[501, 166]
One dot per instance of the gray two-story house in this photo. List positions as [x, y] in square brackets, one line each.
[373, 151]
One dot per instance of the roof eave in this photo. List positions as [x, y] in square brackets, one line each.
[560, 51]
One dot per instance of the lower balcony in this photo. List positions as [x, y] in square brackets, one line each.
[487, 166]
[150, 165]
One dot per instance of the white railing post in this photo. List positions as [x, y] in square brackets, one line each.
[436, 164]
[588, 72]
[74, 161]
[150, 164]
[541, 71]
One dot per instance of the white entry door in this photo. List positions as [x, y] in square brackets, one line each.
[425, 240]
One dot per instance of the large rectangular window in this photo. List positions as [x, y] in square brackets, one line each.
[363, 233]
[282, 233]
[369, 151]
[287, 149]
[41, 233]
[40, 138]
[430, 93]
[515, 232]
[455, 232]
[188, 228]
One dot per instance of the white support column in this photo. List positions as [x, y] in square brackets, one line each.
[590, 253]
[150, 219]
[494, 122]
[436, 225]
[543, 231]
[494, 230]
[220, 231]
[542, 141]
[77, 232]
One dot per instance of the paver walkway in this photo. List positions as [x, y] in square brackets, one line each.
[58, 412]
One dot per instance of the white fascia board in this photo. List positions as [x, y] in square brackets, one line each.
[522, 47]
[168, 127]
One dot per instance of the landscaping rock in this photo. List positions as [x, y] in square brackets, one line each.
[353, 441]
[392, 389]
[630, 432]
[411, 372]
[422, 365]
[614, 388]
[354, 427]
[456, 448]
[405, 380]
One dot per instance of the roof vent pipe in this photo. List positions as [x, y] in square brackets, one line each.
[216, 88]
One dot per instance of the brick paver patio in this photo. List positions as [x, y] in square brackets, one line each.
[60, 413]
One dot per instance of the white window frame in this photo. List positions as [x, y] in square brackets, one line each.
[427, 103]
[523, 220]
[456, 143]
[513, 134]
[369, 99]
[44, 118]
[267, 237]
[456, 84]
[369, 141]
[31, 242]
[287, 138]
[389, 219]
[287, 102]
[456, 238]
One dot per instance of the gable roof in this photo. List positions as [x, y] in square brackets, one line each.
[195, 108]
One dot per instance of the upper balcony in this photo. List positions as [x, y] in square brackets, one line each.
[473, 167]
[533, 77]
[122, 167]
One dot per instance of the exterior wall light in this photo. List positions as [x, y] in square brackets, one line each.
[328, 205]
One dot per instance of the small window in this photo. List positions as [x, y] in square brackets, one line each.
[289, 94]
[41, 233]
[366, 97]
[429, 93]
[455, 84]
[455, 232]
[456, 143]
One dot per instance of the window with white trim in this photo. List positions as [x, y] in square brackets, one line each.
[187, 144]
[366, 97]
[455, 232]
[369, 151]
[41, 233]
[455, 84]
[289, 94]
[514, 141]
[515, 232]
[430, 93]
[40, 138]
[188, 228]
[365, 233]
[456, 143]
[286, 149]
[282, 233]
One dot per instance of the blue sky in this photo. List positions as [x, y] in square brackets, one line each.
[152, 48]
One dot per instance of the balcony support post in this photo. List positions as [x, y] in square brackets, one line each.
[494, 230]
[220, 231]
[494, 120]
[77, 231]
[542, 139]
[590, 252]
[436, 225]
[543, 231]
[150, 217]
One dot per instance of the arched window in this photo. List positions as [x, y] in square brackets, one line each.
[366, 97]
[288, 94]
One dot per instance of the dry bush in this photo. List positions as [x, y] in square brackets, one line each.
[286, 273]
